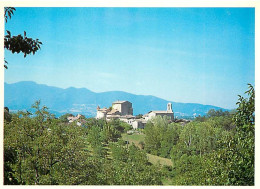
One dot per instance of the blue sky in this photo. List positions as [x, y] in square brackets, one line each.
[197, 55]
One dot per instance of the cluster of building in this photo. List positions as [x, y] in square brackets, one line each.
[123, 111]
[79, 119]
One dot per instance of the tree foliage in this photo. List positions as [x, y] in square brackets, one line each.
[19, 44]
[238, 154]
[9, 11]
[131, 167]
[160, 136]
[39, 149]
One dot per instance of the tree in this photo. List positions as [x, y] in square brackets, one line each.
[95, 140]
[7, 115]
[19, 43]
[126, 127]
[160, 136]
[217, 113]
[245, 114]
[131, 167]
[110, 132]
[39, 149]
[154, 134]
[191, 154]
[245, 126]
[236, 156]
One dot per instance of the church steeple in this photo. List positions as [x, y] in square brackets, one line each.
[169, 107]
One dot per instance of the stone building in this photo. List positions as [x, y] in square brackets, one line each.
[119, 109]
[124, 107]
[102, 112]
[168, 113]
[138, 123]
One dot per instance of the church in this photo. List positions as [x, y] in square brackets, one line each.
[169, 113]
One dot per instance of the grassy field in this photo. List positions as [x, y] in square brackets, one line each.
[136, 138]
[156, 159]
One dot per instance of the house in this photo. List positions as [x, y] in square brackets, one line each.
[138, 124]
[101, 112]
[72, 118]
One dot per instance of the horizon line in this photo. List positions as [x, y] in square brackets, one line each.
[118, 91]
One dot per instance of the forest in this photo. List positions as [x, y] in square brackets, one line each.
[216, 149]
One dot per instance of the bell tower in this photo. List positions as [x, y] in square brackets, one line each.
[169, 107]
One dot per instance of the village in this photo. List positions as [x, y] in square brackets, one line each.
[123, 110]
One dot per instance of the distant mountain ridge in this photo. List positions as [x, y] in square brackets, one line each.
[21, 95]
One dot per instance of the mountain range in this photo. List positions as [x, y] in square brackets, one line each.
[21, 95]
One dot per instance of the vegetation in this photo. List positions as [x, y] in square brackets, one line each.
[19, 43]
[217, 149]
[40, 149]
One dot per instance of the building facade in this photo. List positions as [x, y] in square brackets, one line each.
[124, 107]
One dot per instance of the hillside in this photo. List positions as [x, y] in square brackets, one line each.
[21, 95]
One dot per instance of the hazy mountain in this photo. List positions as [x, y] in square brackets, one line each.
[21, 95]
